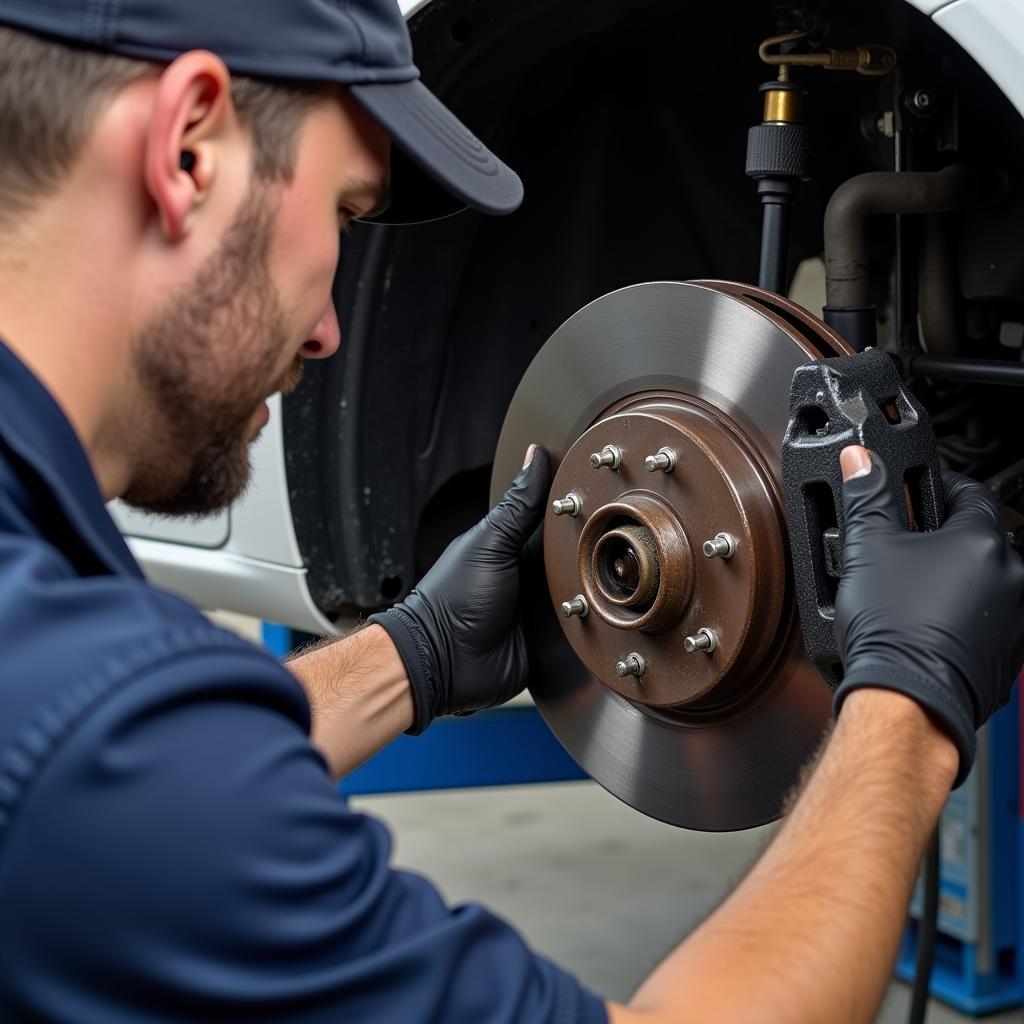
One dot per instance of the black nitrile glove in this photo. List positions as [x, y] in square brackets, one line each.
[458, 632]
[937, 616]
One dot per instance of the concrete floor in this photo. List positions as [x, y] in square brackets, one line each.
[592, 884]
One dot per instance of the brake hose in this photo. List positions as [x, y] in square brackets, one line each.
[926, 932]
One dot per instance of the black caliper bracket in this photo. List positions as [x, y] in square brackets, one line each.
[858, 399]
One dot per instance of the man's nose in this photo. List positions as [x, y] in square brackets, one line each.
[326, 336]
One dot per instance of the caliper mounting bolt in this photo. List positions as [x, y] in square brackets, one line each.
[631, 665]
[577, 606]
[723, 545]
[570, 505]
[665, 460]
[703, 640]
[609, 456]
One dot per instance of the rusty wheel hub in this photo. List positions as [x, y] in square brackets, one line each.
[635, 552]
[669, 658]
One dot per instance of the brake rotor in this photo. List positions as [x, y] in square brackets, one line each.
[674, 674]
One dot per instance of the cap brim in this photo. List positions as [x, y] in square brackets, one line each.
[447, 167]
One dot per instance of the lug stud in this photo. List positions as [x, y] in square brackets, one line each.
[665, 460]
[631, 665]
[577, 606]
[609, 456]
[702, 640]
[723, 545]
[570, 505]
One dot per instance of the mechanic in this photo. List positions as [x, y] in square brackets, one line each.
[173, 178]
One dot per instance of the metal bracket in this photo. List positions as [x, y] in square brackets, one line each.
[858, 399]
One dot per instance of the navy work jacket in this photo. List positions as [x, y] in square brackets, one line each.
[172, 848]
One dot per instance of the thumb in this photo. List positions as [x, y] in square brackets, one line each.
[517, 515]
[868, 496]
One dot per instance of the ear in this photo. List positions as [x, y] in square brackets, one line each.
[192, 114]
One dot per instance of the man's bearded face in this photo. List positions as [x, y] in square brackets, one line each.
[205, 364]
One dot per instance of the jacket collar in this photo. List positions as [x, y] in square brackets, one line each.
[35, 428]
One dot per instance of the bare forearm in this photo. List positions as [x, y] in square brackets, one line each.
[811, 934]
[359, 696]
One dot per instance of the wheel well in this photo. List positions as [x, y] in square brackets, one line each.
[627, 122]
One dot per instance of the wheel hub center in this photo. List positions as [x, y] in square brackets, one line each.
[635, 563]
[674, 543]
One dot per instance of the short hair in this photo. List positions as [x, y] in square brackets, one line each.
[51, 94]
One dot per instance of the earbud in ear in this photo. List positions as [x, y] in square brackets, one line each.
[188, 161]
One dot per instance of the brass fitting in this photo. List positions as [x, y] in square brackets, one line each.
[866, 59]
[782, 105]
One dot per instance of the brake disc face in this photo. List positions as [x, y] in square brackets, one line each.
[663, 626]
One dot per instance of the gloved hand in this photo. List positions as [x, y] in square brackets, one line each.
[458, 631]
[937, 616]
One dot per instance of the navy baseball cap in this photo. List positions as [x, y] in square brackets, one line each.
[363, 45]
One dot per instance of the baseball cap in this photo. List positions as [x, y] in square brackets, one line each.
[363, 45]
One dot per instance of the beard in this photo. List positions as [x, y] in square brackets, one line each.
[204, 364]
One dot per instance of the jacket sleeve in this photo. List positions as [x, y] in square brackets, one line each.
[182, 855]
